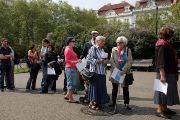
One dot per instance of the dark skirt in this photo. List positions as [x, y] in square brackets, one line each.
[172, 97]
[97, 90]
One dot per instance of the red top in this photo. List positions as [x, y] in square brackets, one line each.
[70, 55]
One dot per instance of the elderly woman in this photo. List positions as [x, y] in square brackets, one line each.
[97, 87]
[71, 60]
[167, 71]
[121, 58]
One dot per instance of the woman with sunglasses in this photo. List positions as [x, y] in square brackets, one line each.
[71, 59]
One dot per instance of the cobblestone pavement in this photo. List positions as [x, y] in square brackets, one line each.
[21, 105]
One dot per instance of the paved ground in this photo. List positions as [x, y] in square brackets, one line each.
[20, 105]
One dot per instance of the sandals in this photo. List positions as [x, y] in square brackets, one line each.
[96, 107]
[66, 98]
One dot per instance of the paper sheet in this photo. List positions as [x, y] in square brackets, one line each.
[81, 65]
[159, 86]
[51, 71]
[117, 76]
[104, 55]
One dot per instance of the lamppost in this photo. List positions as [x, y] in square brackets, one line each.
[157, 9]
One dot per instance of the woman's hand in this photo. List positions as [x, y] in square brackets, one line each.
[105, 61]
[99, 61]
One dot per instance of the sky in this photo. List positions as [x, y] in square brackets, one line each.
[94, 4]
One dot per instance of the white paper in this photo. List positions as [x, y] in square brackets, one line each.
[81, 65]
[117, 76]
[159, 86]
[104, 55]
[51, 71]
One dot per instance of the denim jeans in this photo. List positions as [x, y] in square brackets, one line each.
[72, 78]
[44, 72]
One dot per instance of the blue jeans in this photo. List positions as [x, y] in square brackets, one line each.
[44, 72]
[72, 78]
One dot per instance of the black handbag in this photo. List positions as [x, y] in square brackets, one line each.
[87, 74]
[128, 80]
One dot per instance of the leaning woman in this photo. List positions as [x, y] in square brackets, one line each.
[71, 59]
[97, 87]
[121, 58]
[167, 71]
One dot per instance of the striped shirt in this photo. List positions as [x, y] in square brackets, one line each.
[94, 54]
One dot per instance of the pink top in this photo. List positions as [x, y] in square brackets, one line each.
[70, 55]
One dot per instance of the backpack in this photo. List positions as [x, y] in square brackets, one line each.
[16, 58]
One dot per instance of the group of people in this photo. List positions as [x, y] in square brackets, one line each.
[96, 91]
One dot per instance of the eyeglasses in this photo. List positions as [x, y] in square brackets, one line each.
[120, 42]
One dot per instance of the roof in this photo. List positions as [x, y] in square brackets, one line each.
[116, 7]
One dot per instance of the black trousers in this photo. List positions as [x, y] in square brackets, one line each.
[50, 80]
[5, 72]
[33, 76]
[65, 82]
[125, 93]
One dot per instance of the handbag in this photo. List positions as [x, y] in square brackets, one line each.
[87, 74]
[128, 80]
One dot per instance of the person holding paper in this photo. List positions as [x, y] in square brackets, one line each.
[71, 59]
[121, 59]
[51, 60]
[167, 71]
[97, 93]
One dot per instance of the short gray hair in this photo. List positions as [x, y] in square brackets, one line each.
[100, 38]
[122, 39]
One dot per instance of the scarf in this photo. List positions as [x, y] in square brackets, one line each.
[122, 58]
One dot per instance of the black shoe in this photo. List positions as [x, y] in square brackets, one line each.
[111, 105]
[128, 108]
[42, 92]
[169, 112]
[2, 90]
[163, 115]
[27, 90]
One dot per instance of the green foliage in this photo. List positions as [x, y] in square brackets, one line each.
[25, 22]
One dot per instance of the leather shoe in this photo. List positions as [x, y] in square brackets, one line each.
[169, 112]
[163, 115]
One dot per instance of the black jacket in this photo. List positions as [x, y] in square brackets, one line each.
[85, 51]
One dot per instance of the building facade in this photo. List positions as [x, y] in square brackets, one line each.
[125, 12]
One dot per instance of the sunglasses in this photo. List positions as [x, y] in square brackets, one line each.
[73, 41]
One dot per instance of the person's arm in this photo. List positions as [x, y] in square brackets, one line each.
[162, 75]
[161, 63]
[42, 54]
[90, 57]
[2, 57]
[112, 61]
